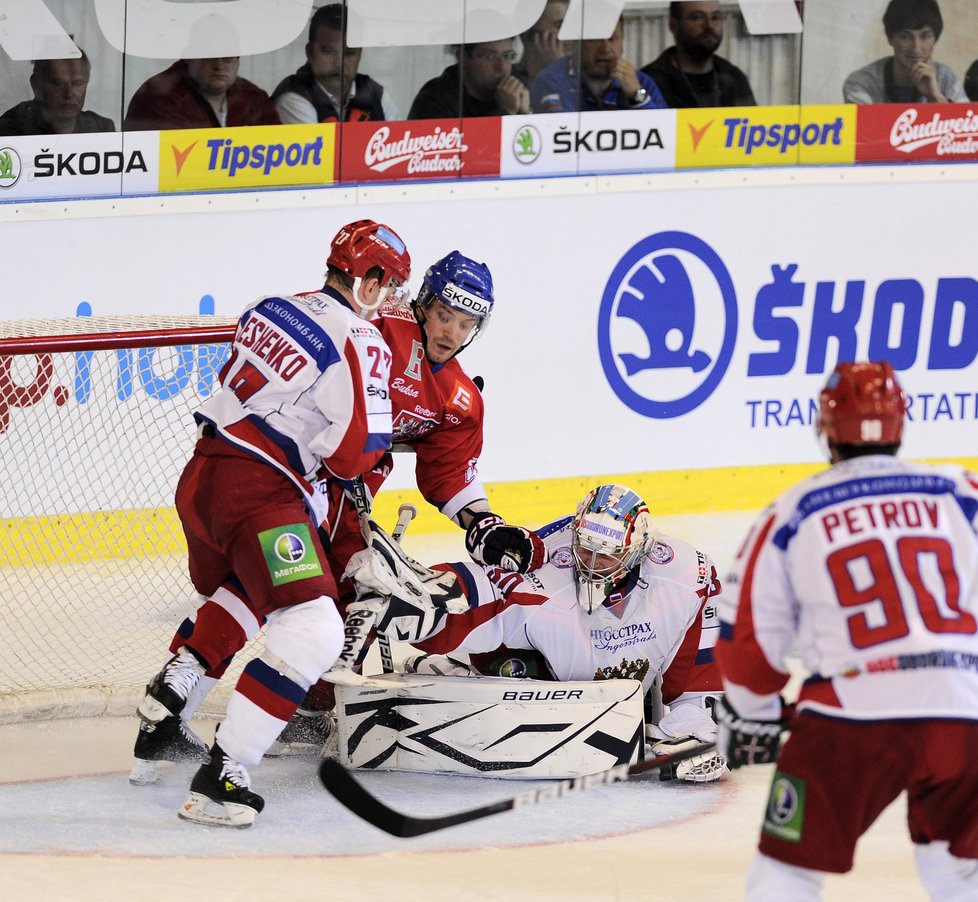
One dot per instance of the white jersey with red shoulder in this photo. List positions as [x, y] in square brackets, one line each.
[868, 572]
[666, 623]
[306, 387]
[437, 412]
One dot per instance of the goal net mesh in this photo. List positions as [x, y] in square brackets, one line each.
[93, 571]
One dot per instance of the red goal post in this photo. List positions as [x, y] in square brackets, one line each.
[96, 424]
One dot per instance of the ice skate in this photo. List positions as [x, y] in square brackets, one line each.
[170, 740]
[168, 691]
[307, 734]
[220, 794]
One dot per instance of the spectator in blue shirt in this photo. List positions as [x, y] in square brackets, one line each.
[594, 77]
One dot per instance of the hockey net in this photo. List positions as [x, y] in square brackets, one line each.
[96, 424]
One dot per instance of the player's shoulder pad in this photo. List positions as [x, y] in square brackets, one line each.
[678, 561]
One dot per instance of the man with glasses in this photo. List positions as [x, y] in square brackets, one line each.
[483, 79]
[595, 76]
[690, 74]
[328, 87]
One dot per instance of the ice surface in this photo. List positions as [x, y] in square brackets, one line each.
[72, 828]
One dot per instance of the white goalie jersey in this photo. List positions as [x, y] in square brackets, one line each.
[666, 625]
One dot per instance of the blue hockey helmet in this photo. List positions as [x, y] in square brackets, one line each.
[462, 284]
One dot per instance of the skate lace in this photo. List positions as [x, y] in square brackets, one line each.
[236, 773]
[183, 673]
[191, 736]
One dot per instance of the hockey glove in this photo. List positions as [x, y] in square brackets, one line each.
[493, 542]
[384, 569]
[744, 741]
[703, 768]
[438, 665]
[410, 619]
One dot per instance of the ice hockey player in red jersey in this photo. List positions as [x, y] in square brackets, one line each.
[306, 389]
[438, 414]
[614, 601]
[867, 572]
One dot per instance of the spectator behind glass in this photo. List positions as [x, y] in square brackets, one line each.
[59, 94]
[199, 93]
[909, 76]
[971, 81]
[690, 74]
[483, 77]
[327, 87]
[540, 44]
[595, 77]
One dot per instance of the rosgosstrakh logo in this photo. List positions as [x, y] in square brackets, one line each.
[527, 144]
[290, 548]
[9, 167]
[667, 325]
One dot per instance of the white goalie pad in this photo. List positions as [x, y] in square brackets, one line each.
[491, 726]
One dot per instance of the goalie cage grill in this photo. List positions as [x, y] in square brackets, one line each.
[96, 424]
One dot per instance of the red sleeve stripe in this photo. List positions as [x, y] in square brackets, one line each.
[740, 657]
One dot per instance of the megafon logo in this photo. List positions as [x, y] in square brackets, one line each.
[289, 548]
[436, 151]
[667, 325]
[9, 167]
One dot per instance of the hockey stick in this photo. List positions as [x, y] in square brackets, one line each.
[405, 514]
[348, 791]
[359, 621]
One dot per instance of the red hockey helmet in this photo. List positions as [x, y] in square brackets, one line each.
[364, 244]
[862, 404]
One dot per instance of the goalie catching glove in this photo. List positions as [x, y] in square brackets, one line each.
[743, 741]
[383, 569]
[493, 542]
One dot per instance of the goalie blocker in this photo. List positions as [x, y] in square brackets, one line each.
[492, 726]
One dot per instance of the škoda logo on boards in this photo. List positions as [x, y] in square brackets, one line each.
[766, 136]
[259, 156]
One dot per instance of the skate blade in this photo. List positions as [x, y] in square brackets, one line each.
[148, 773]
[294, 750]
[201, 810]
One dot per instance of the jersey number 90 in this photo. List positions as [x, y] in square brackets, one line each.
[916, 555]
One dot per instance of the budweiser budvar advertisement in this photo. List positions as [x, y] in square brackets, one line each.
[419, 149]
[944, 132]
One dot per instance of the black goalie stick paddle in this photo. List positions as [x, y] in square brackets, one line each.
[347, 790]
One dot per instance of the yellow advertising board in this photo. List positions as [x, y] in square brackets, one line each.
[265, 156]
[766, 136]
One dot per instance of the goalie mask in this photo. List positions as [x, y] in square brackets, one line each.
[612, 532]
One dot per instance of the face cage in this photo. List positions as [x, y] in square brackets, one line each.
[390, 289]
[594, 587]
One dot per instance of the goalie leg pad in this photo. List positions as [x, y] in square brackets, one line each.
[471, 725]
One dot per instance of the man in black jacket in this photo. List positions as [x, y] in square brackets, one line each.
[690, 74]
[328, 87]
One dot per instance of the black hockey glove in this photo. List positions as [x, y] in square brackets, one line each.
[742, 741]
[493, 542]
